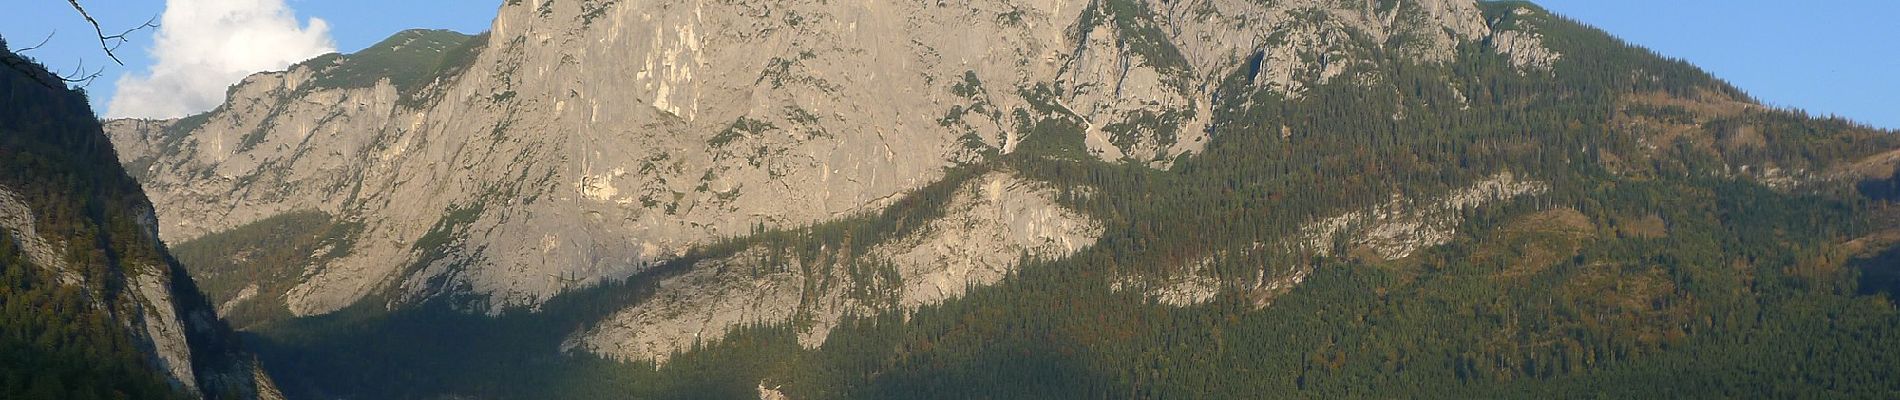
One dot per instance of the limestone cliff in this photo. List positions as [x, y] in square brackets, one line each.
[579, 141]
[991, 223]
[1403, 225]
[1391, 230]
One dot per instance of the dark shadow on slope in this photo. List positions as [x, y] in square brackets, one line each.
[1881, 189]
[433, 349]
[1880, 275]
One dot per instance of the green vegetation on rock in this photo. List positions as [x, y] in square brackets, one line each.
[73, 308]
[1649, 268]
[238, 264]
[402, 58]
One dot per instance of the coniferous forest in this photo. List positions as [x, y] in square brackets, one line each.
[1650, 269]
[1669, 258]
[73, 324]
[63, 341]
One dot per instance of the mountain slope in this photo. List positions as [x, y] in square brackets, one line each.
[1114, 198]
[94, 306]
[577, 141]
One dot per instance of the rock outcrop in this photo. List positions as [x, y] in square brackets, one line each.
[1183, 291]
[989, 225]
[1391, 230]
[1402, 226]
[16, 219]
[1517, 37]
[771, 393]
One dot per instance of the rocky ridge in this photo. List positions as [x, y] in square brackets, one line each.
[990, 224]
[1391, 230]
[1402, 226]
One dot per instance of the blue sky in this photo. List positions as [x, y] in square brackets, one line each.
[354, 24]
[1826, 56]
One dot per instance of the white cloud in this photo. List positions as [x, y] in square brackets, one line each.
[204, 46]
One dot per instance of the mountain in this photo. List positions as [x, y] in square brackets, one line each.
[575, 143]
[979, 198]
[91, 304]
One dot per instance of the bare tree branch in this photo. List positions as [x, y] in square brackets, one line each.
[48, 38]
[110, 43]
[79, 76]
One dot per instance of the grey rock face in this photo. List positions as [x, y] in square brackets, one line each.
[163, 327]
[1518, 39]
[1183, 291]
[771, 393]
[1402, 226]
[155, 323]
[17, 220]
[581, 141]
[159, 323]
[990, 224]
[1391, 230]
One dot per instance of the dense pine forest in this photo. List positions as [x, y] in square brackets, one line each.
[72, 323]
[64, 341]
[1667, 260]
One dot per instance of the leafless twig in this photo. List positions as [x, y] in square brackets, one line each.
[48, 38]
[79, 76]
[110, 43]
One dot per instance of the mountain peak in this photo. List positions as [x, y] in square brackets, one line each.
[406, 59]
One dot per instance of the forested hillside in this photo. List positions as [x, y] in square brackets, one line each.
[91, 306]
[1619, 225]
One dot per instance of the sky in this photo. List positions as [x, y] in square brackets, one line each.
[204, 46]
[1830, 57]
